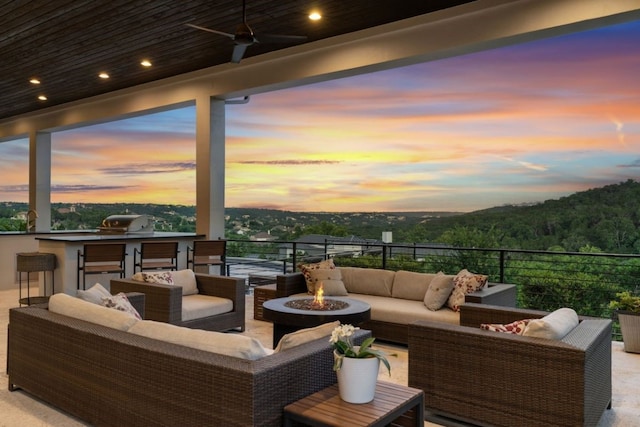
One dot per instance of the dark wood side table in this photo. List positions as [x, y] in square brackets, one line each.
[261, 294]
[394, 405]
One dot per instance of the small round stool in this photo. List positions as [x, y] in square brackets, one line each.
[28, 262]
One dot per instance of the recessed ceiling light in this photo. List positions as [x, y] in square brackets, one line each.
[34, 81]
[103, 75]
[145, 63]
[42, 98]
[315, 16]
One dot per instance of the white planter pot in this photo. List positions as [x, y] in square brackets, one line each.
[630, 328]
[357, 379]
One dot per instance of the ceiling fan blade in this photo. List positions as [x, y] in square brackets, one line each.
[222, 33]
[238, 52]
[278, 38]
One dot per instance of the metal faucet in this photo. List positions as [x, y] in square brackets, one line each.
[31, 220]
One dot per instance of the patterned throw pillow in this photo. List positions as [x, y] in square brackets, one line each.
[159, 277]
[464, 283]
[121, 303]
[94, 294]
[516, 327]
[306, 268]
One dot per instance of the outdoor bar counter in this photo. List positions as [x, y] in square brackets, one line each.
[66, 247]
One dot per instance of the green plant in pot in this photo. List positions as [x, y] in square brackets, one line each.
[627, 309]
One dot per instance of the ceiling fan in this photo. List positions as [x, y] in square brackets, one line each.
[245, 37]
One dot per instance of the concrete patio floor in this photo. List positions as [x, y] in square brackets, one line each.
[18, 409]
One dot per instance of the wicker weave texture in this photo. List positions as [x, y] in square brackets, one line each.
[111, 378]
[498, 379]
[163, 303]
[35, 261]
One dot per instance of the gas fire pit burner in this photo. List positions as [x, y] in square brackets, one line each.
[310, 304]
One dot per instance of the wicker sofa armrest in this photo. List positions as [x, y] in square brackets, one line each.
[495, 294]
[137, 301]
[163, 303]
[289, 284]
[232, 288]
[474, 314]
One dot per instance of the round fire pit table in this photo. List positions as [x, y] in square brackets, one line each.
[287, 319]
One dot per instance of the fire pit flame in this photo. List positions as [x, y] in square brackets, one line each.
[318, 298]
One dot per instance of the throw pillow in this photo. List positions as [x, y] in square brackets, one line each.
[331, 280]
[159, 277]
[121, 303]
[68, 305]
[464, 283]
[304, 336]
[186, 279]
[516, 327]
[94, 294]
[305, 269]
[554, 325]
[438, 291]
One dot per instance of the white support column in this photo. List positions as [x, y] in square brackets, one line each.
[40, 178]
[210, 165]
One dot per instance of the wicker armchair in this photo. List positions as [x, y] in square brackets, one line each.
[498, 379]
[163, 303]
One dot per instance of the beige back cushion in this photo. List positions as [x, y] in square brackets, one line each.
[370, 281]
[234, 345]
[79, 309]
[411, 285]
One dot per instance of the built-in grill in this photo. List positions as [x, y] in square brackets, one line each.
[126, 224]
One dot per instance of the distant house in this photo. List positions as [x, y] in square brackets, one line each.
[316, 246]
[263, 237]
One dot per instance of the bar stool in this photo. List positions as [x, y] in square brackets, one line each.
[101, 258]
[207, 252]
[28, 262]
[156, 256]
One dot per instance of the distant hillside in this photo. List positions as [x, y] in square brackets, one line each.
[606, 217]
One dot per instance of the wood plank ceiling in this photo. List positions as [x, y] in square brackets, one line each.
[67, 43]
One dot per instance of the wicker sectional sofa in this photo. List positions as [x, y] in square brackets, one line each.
[395, 299]
[500, 379]
[110, 377]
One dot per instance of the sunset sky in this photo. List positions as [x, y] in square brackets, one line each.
[513, 125]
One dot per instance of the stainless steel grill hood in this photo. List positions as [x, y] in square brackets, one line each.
[126, 224]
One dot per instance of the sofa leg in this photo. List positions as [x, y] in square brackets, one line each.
[12, 387]
[609, 405]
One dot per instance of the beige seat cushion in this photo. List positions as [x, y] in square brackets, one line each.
[402, 311]
[198, 306]
[234, 345]
[79, 309]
